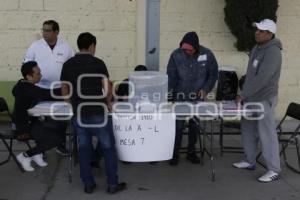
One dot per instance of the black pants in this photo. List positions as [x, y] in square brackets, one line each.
[192, 136]
[47, 134]
[45, 95]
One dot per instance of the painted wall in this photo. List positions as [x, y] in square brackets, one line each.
[207, 19]
[113, 22]
[119, 28]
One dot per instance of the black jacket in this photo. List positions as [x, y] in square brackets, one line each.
[26, 96]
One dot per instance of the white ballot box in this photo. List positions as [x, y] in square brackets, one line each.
[148, 87]
[144, 137]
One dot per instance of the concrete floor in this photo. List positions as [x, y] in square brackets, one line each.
[186, 181]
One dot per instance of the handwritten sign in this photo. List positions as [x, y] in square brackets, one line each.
[144, 137]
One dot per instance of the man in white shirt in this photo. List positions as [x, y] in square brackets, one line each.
[50, 53]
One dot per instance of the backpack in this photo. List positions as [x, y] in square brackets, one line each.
[227, 85]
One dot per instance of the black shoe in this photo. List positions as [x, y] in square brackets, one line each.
[95, 164]
[193, 158]
[62, 150]
[174, 161]
[89, 188]
[116, 188]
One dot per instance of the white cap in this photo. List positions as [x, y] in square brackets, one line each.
[266, 25]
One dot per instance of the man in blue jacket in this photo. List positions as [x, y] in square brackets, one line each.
[192, 71]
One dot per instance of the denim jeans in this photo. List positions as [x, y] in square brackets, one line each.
[85, 149]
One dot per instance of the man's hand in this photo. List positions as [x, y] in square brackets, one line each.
[65, 90]
[202, 94]
[238, 99]
[23, 137]
[109, 106]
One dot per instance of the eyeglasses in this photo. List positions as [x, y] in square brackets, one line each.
[46, 30]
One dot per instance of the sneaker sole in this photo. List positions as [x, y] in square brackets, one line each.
[276, 179]
[252, 168]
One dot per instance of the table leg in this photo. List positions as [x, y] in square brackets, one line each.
[212, 163]
[70, 169]
[210, 151]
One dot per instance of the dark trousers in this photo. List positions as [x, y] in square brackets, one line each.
[45, 95]
[46, 134]
[85, 149]
[192, 136]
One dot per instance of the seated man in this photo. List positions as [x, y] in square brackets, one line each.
[46, 134]
[123, 89]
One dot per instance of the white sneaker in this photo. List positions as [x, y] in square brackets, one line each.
[38, 159]
[269, 177]
[25, 162]
[244, 165]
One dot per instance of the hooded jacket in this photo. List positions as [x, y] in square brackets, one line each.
[263, 72]
[192, 39]
[187, 75]
[26, 96]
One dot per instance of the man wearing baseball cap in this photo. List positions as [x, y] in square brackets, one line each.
[192, 73]
[261, 86]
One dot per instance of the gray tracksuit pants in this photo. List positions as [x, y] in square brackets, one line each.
[263, 130]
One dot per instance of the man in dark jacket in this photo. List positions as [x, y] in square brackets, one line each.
[261, 87]
[192, 71]
[27, 96]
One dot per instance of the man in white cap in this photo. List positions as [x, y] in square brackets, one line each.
[261, 86]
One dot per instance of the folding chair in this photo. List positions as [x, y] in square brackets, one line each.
[229, 128]
[7, 133]
[290, 138]
[227, 88]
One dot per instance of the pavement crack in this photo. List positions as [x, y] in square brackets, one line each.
[52, 179]
[295, 189]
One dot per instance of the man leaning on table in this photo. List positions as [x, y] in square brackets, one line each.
[192, 71]
[261, 86]
[46, 133]
[91, 110]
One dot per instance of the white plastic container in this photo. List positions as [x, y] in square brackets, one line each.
[149, 89]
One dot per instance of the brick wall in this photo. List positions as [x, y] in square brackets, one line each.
[207, 19]
[114, 22]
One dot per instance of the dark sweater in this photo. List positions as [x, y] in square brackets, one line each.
[26, 96]
[73, 69]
